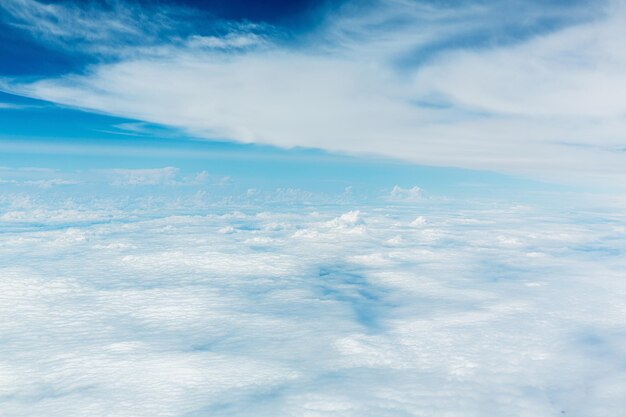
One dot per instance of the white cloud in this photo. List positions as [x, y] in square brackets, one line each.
[153, 176]
[149, 315]
[38, 177]
[51, 182]
[367, 81]
[418, 221]
[89, 26]
[349, 219]
[156, 176]
[233, 40]
[9, 106]
[412, 194]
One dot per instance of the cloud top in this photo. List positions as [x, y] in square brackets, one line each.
[353, 311]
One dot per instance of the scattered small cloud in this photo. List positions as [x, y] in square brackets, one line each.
[412, 194]
[346, 220]
[156, 176]
[418, 221]
[47, 183]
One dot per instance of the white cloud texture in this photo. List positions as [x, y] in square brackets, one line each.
[499, 310]
[154, 176]
[392, 78]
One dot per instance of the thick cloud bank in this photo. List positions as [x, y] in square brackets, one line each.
[411, 309]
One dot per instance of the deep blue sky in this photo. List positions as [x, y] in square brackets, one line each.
[23, 54]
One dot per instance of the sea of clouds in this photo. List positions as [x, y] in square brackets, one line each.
[407, 308]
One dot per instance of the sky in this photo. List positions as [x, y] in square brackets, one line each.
[466, 85]
[399, 208]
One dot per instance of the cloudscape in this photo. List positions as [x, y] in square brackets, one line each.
[312, 208]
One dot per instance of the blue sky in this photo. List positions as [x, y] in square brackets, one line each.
[405, 81]
[78, 144]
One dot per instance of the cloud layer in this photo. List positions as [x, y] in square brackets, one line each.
[404, 310]
[468, 86]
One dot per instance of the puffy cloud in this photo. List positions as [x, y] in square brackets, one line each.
[346, 220]
[497, 309]
[418, 221]
[406, 194]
